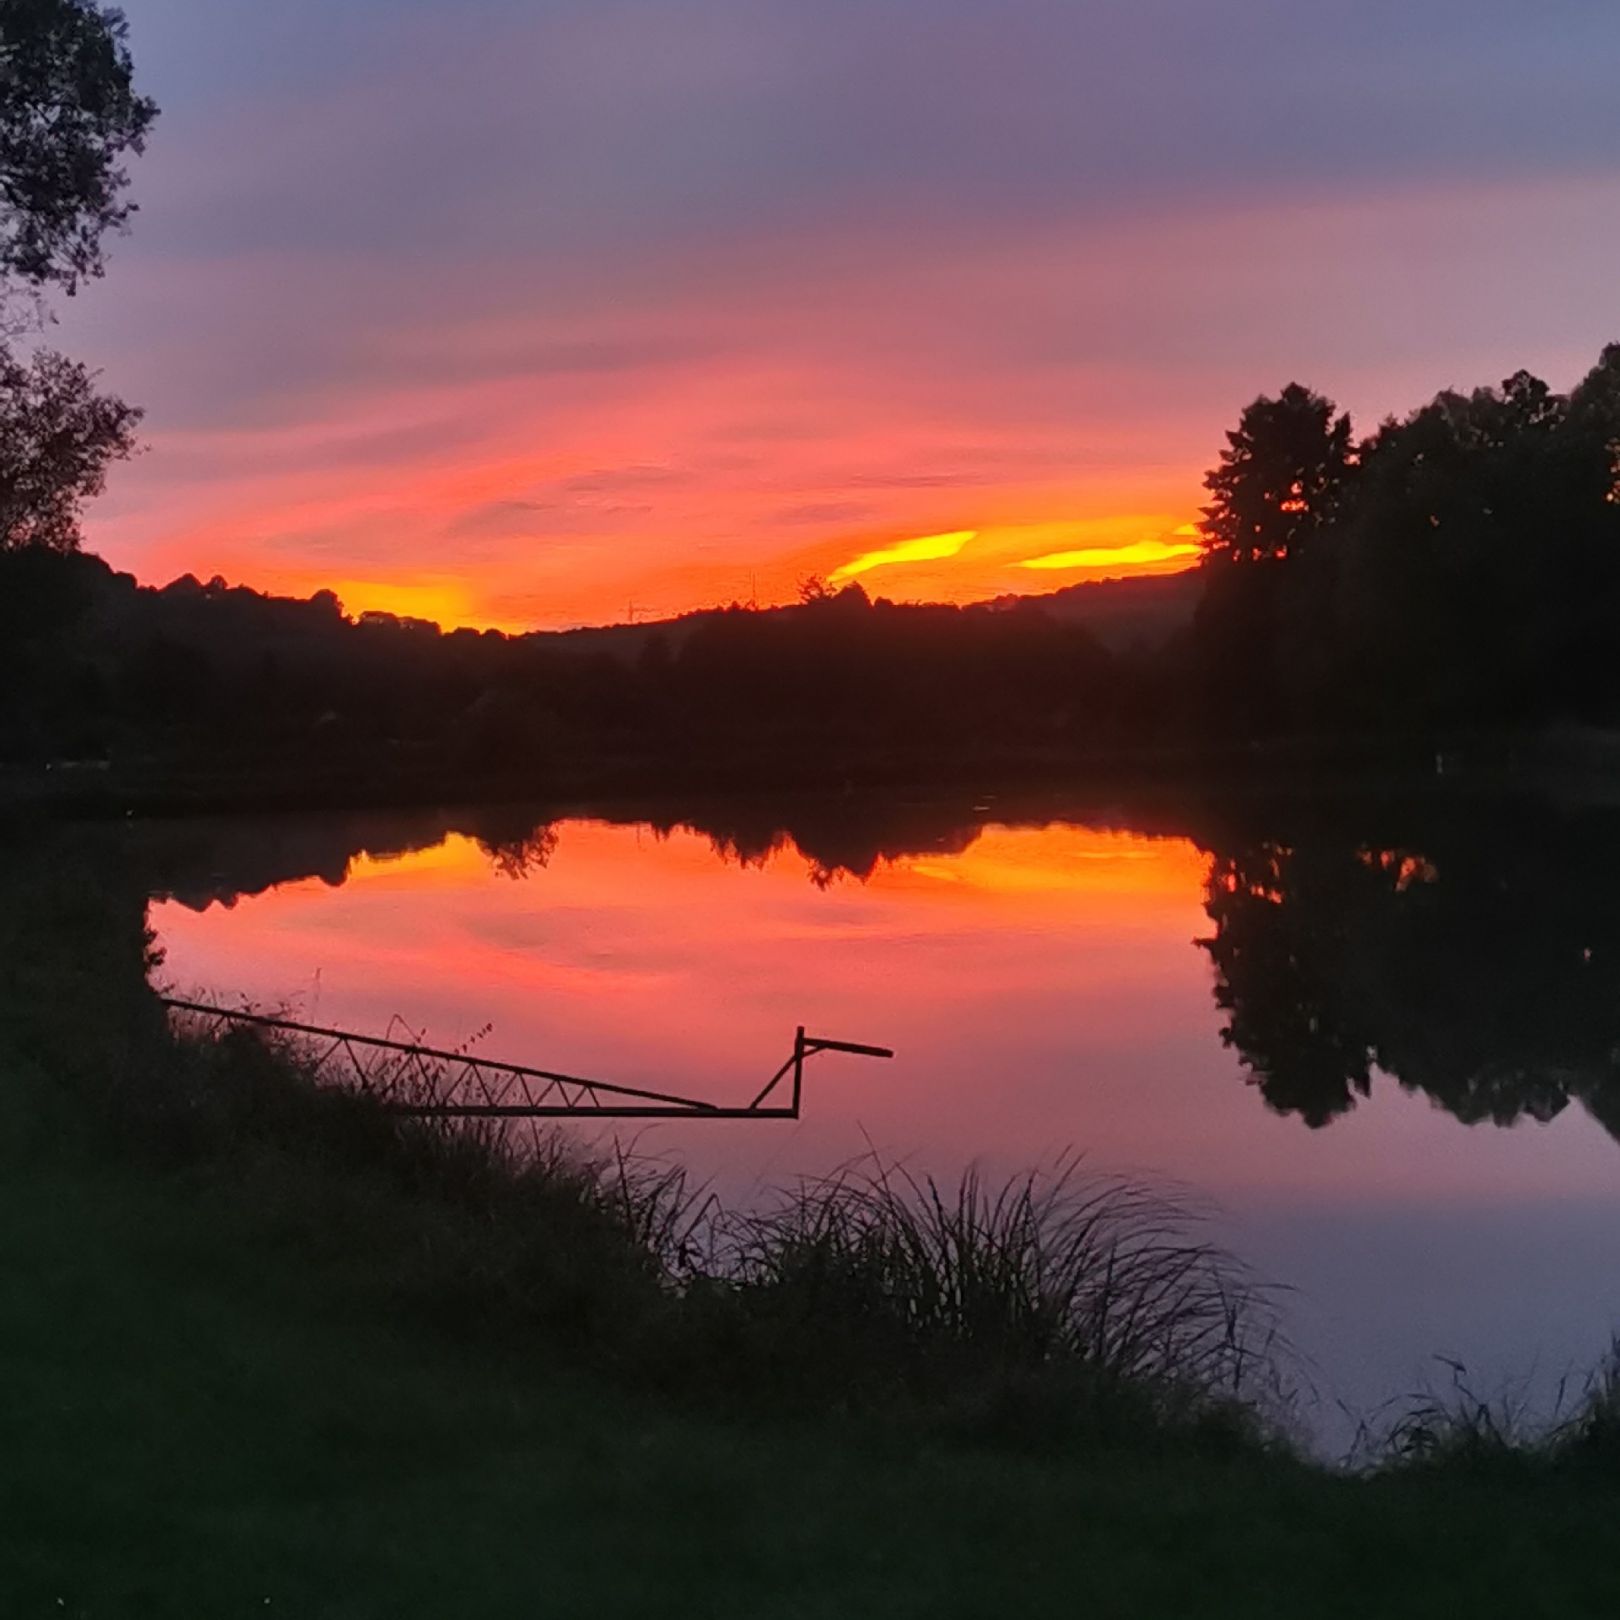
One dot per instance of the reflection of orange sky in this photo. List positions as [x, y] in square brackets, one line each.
[1054, 867]
[1042, 990]
[1003, 866]
[630, 951]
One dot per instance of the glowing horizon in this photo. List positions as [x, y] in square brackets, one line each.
[583, 313]
[990, 561]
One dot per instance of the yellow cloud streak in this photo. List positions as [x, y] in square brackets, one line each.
[1141, 551]
[926, 548]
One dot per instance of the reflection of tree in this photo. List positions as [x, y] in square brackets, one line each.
[521, 855]
[206, 862]
[1280, 984]
[838, 838]
[74, 958]
[1478, 964]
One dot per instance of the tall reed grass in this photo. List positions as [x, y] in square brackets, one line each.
[1052, 1301]
[1459, 1428]
[1058, 1287]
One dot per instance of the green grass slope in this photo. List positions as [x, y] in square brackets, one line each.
[195, 1423]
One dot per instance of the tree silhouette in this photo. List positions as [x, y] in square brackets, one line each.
[1481, 560]
[68, 115]
[58, 436]
[1280, 480]
[1459, 567]
[1594, 408]
[522, 852]
[1281, 483]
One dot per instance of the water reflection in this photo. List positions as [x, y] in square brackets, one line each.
[1471, 953]
[1035, 963]
[1479, 966]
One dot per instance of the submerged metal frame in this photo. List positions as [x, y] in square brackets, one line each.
[378, 1065]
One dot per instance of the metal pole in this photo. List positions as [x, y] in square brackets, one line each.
[580, 1098]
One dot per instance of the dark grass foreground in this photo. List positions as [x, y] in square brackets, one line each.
[198, 1422]
[267, 1349]
[1051, 1308]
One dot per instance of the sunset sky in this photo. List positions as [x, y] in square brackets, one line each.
[528, 312]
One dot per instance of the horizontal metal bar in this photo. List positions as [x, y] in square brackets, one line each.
[814, 1043]
[561, 1111]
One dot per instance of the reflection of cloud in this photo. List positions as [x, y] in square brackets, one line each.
[1058, 862]
[925, 548]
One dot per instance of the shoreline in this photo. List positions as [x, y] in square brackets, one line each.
[1583, 763]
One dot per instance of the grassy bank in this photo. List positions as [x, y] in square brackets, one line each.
[203, 1414]
[1052, 1309]
[267, 1349]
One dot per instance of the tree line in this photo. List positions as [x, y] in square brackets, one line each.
[1457, 568]
[1460, 566]
[99, 668]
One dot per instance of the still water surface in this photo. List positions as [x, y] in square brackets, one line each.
[1045, 987]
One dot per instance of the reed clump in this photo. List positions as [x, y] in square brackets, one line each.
[1033, 1309]
[1049, 1301]
[1459, 1429]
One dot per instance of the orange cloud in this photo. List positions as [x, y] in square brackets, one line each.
[925, 548]
[1139, 554]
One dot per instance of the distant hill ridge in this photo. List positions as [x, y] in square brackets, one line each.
[1142, 611]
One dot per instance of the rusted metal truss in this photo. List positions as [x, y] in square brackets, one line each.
[430, 1083]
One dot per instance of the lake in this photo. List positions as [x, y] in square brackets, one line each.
[1380, 1041]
